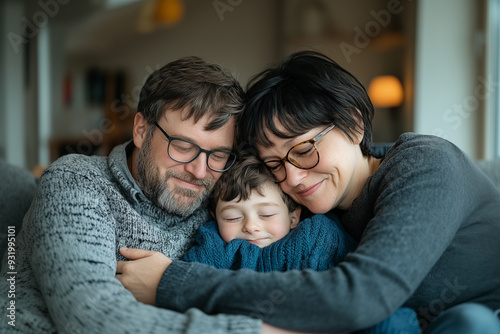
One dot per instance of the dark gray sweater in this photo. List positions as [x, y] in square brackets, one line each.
[66, 252]
[428, 226]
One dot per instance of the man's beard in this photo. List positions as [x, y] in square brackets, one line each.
[179, 201]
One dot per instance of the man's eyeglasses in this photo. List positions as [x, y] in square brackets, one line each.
[184, 151]
[304, 155]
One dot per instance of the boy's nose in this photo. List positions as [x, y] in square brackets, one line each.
[251, 226]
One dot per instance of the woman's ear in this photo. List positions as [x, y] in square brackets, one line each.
[359, 132]
[295, 217]
[140, 129]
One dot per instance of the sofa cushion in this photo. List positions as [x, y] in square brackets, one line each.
[492, 169]
[17, 189]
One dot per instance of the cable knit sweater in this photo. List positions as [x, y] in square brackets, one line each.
[66, 252]
[317, 243]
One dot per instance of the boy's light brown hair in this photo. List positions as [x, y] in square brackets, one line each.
[247, 174]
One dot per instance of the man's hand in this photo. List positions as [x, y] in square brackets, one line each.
[268, 329]
[142, 276]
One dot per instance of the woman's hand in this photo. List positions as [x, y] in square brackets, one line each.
[142, 275]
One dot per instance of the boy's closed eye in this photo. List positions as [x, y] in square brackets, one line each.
[231, 219]
[267, 215]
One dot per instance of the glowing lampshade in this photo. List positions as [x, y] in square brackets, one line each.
[169, 12]
[386, 91]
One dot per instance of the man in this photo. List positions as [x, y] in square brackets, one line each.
[149, 193]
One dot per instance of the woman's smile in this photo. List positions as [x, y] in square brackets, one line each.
[310, 190]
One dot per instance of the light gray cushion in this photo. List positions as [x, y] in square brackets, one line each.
[492, 169]
[17, 189]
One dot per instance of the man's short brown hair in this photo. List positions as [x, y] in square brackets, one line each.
[192, 82]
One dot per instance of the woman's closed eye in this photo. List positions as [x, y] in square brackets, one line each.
[304, 151]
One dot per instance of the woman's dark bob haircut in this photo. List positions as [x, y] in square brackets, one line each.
[306, 91]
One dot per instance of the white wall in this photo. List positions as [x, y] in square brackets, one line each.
[2, 79]
[448, 89]
[492, 114]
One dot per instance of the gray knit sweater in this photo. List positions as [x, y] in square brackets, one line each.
[66, 252]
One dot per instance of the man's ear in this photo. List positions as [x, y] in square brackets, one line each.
[140, 130]
[295, 216]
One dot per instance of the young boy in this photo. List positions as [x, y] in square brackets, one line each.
[257, 227]
[251, 210]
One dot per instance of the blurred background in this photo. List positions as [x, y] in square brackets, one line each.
[71, 71]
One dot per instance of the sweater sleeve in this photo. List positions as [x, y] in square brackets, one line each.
[210, 249]
[73, 257]
[317, 243]
[392, 259]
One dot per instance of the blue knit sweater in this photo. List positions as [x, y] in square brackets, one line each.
[317, 243]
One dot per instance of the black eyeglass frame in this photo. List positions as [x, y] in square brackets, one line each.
[281, 162]
[200, 150]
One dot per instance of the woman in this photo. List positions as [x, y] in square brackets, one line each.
[426, 218]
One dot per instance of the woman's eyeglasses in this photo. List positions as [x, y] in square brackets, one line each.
[304, 155]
